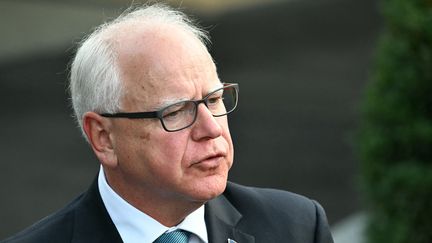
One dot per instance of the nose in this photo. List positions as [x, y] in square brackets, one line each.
[206, 126]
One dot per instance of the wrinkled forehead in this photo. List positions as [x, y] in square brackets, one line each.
[163, 63]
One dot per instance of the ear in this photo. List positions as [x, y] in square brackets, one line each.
[97, 129]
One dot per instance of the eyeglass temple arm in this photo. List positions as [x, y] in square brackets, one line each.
[131, 115]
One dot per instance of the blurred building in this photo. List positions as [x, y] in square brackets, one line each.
[302, 66]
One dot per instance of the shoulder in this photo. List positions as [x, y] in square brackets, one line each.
[284, 214]
[268, 199]
[56, 227]
[85, 219]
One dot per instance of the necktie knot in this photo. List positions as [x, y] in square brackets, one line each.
[176, 236]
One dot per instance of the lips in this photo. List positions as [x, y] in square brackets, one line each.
[209, 161]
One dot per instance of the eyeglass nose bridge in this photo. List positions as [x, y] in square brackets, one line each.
[197, 103]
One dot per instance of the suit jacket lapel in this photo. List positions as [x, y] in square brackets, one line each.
[92, 221]
[221, 219]
[93, 224]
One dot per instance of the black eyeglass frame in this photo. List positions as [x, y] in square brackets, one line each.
[158, 113]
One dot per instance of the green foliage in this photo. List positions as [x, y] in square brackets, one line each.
[402, 207]
[396, 133]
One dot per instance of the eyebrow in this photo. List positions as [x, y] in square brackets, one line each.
[169, 101]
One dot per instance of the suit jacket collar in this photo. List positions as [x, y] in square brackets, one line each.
[92, 222]
[222, 220]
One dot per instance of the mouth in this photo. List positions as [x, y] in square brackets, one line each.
[209, 162]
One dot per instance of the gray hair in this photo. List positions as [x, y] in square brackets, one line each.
[95, 83]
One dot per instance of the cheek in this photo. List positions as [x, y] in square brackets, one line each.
[168, 149]
[231, 151]
[227, 137]
[225, 131]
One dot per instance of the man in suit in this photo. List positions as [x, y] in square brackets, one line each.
[148, 99]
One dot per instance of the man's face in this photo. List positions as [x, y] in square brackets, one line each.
[191, 164]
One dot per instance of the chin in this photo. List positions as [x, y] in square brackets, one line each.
[210, 189]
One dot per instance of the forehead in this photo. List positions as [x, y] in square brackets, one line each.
[162, 63]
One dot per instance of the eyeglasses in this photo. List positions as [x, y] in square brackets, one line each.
[183, 114]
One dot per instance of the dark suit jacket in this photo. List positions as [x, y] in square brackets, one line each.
[244, 214]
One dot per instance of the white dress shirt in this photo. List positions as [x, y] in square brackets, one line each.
[135, 226]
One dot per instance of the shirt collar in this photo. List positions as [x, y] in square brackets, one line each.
[195, 224]
[136, 226]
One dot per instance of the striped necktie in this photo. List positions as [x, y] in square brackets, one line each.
[176, 236]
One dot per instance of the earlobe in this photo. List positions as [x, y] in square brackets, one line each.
[98, 134]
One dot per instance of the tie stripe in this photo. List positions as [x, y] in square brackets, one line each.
[176, 236]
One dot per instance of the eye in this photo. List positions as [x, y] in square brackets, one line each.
[172, 114]
[214, 100]
[174, 111]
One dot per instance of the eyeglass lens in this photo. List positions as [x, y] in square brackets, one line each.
[183, 114]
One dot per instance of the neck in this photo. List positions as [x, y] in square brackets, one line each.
[166, 209]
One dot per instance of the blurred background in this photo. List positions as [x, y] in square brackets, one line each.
[302, 66]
